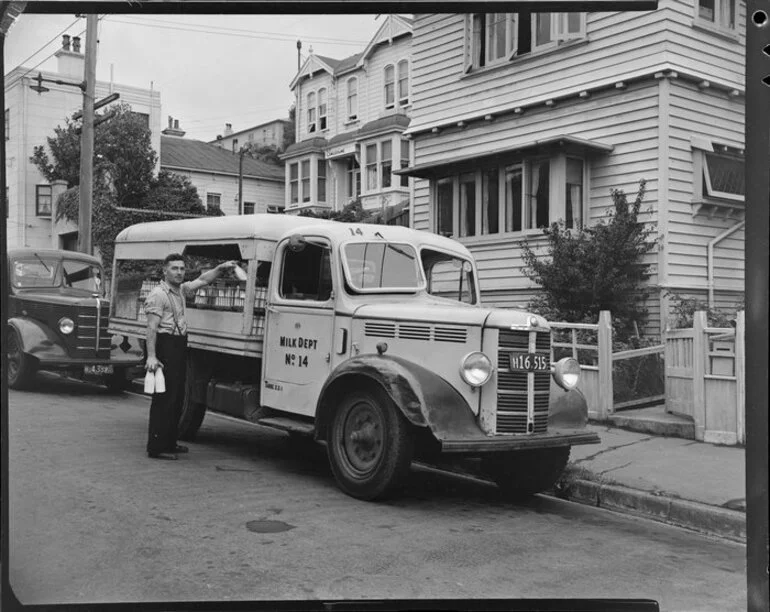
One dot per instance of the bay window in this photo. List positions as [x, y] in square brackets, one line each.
[294, 183]
[321, 180]
[371, 167]
[305, 179]
[386, 163]
[520, 196]
[404, 179]
[353, 178]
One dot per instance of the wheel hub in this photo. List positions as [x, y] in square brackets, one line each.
[363, 437]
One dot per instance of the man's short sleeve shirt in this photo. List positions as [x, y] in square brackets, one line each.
[166, 301]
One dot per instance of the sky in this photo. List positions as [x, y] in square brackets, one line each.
[209, 69]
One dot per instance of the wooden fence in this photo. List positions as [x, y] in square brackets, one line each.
[596, 378]
[705, 378]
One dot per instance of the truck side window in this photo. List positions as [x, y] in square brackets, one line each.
[307, 274]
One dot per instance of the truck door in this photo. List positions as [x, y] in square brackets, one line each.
[299, 325]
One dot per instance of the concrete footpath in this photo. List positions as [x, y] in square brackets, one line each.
[673, 480]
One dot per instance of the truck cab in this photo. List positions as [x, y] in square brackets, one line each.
[371, 338]
[58, 319]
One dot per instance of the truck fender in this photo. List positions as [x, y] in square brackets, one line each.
[37, 339]
[567, 409]
[424, 398]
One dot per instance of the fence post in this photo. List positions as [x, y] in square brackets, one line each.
[604, 341]
[699, 356]
[740, 376]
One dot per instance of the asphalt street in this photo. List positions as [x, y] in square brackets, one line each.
[250, 514]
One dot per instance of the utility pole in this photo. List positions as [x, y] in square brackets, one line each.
[87, 139]
[240, 179]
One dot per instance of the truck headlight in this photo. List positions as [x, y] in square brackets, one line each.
[66, 325]
[566, 373]
[476, 369]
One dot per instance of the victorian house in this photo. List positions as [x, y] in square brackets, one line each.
[350, 118]
[521, 119]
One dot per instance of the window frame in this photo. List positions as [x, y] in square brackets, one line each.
[305, 195]
[318, 242]
[294, 183]
[702, 174]
[39, 196]
[352, 82]
[389, 84]
[322, 112]
[321, 179]
[253, 206]
[557, 197]
[310, 112]
[403, 100]
[717, 22]
[212, 194]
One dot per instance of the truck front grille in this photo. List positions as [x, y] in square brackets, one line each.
[515, 413]
[86, 331]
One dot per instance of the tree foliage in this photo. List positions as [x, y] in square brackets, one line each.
[594, 268]
[122, 151]
[352, 213]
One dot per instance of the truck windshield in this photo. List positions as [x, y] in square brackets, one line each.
[378, 266]
[449, 276]
[38, 271]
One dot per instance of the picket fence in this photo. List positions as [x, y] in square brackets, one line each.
[704, 374]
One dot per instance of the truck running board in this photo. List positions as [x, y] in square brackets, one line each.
[287, 424]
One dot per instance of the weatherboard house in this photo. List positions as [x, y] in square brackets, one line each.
[520, 119]
[30, 118]
[350, 119]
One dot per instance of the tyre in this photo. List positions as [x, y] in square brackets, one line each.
[192, 412]
[370, 445]
[117, 381]
[21, 367]
[521, 474]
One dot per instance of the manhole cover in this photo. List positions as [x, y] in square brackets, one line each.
[268, 526]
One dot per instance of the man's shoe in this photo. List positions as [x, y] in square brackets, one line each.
[180, 449]
[166, 456]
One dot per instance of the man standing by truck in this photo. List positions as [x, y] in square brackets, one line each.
[166, 348]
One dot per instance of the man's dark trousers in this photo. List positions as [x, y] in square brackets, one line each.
[166, 408]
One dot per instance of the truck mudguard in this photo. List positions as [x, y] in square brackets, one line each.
[424, 398]
[38, 340]
[568, 409]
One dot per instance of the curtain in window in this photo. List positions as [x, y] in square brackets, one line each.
[535, 185]
[468, 205]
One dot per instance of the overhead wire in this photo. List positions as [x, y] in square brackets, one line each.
[235, 32]
[49, 42]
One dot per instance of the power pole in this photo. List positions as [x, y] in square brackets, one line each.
[87, 139]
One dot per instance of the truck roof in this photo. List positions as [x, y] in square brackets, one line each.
[273, 228]
[52, 254]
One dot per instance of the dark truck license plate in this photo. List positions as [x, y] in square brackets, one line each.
[530, 362]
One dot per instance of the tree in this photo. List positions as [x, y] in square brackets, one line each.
[174, 193]
[265, 153]
[122, 150]
[352, 213]
[595, 268]
[289, 133]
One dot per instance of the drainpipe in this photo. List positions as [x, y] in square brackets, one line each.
[710, 257]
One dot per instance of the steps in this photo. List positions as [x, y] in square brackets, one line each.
[656, 421]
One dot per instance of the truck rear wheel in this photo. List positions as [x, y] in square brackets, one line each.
[370, 444]
[192, 412]
[521, 474]
[21, 367]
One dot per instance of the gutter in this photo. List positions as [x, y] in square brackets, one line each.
[710, 258]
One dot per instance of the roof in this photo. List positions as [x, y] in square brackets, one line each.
[273, 228]
[249, 129]
[395, 120]
[315, 144]
[187, 154]
[460, 163]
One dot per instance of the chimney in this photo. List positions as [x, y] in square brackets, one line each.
[228, 129]
[173, 128]
[71, 63]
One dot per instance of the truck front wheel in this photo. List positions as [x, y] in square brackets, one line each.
[520, 474]
[21, 367]
[370, 444]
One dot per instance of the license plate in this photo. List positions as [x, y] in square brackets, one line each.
[98, 370]
[530, 362]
